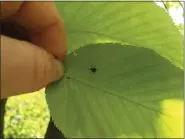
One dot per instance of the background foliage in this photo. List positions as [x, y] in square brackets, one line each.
[27, 115]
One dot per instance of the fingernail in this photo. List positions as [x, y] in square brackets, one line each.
[59, 70]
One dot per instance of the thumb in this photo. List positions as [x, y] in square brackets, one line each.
[26, 67]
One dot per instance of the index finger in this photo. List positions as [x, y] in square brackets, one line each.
[44, 24]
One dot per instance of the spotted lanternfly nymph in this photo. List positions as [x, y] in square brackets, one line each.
[68, 77]
[93, 69]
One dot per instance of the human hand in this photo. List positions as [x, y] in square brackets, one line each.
[30, 66]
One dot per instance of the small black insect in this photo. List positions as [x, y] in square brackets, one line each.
[68, 77]
[93, 69]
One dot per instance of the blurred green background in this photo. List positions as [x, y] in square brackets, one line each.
[27, 116]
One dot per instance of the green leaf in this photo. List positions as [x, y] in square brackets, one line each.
[124, 97]
[141, 24]
[121, 99]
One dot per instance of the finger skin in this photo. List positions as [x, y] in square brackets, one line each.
[43, 22]
[25, 67]
[9, 8]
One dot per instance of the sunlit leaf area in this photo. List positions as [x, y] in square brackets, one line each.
[151, 104]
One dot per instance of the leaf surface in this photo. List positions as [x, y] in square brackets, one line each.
[139, 66]
[141, 24]
[121, 98]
